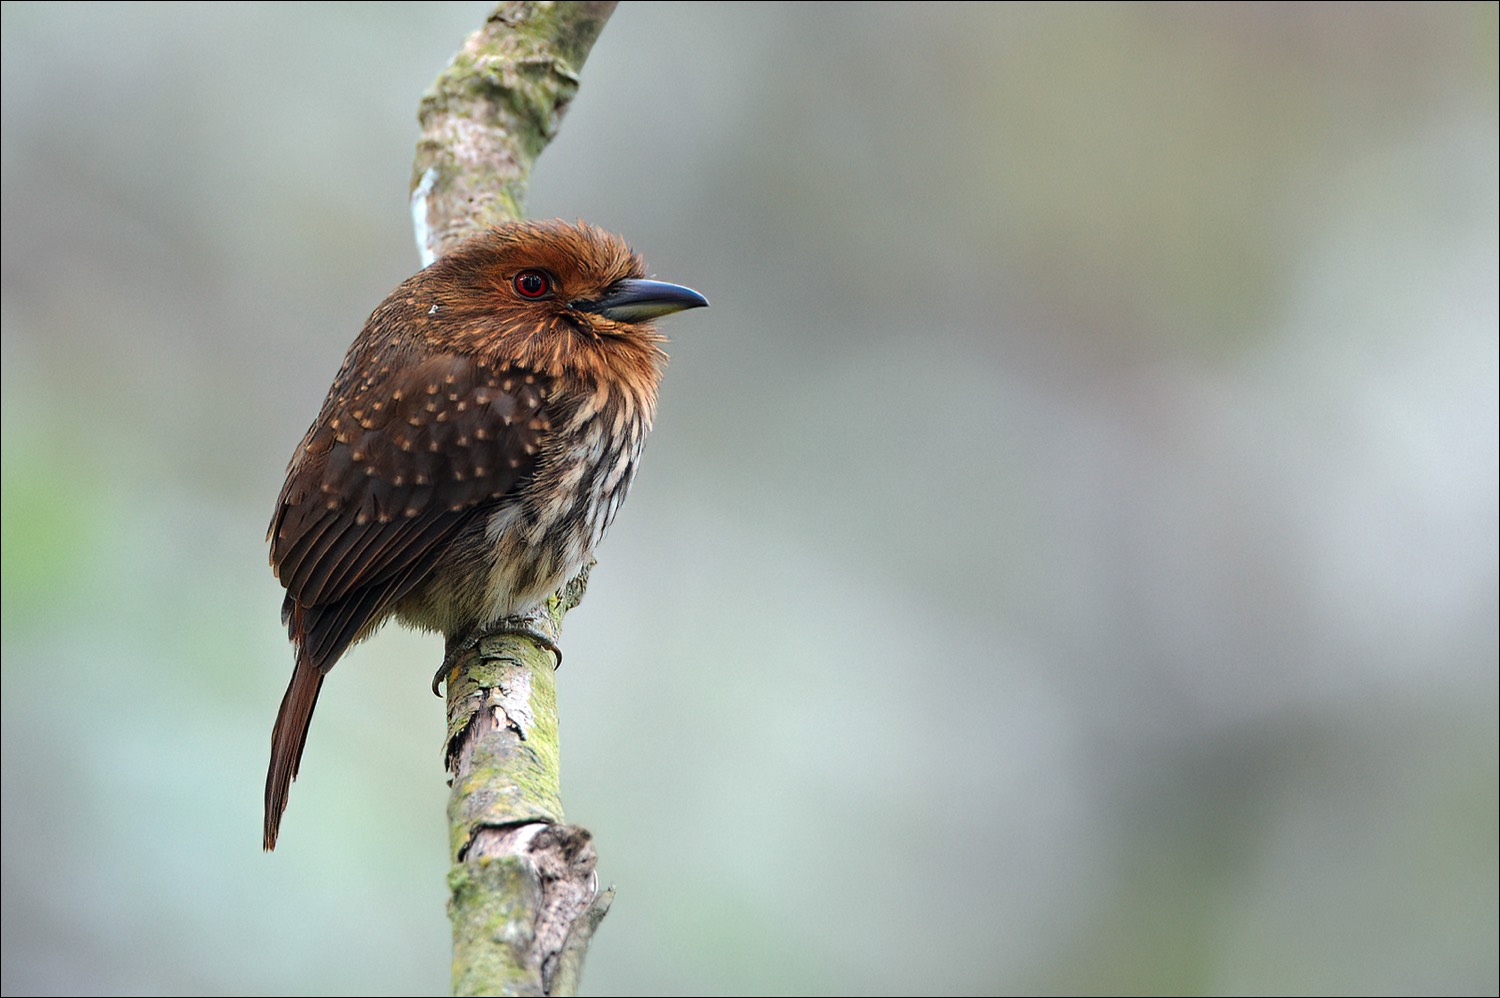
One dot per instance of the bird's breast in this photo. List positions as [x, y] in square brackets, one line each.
[585, 469]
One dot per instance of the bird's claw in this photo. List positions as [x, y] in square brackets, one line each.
[460, 648]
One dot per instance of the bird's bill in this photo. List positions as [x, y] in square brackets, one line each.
[636, 300]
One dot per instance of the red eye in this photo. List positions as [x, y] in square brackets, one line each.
[533, 284]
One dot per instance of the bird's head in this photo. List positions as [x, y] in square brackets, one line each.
[553, 296]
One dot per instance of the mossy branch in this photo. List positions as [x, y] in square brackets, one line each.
[491, 112]
[524, 898]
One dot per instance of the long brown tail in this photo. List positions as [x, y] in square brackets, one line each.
[287, 739]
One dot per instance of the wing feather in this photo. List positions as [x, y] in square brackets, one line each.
[393, 469]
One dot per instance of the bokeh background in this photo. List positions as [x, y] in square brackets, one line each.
[1066, 560]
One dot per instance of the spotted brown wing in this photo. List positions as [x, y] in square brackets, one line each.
[389, 474]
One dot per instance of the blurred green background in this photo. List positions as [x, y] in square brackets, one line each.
[1065, 562]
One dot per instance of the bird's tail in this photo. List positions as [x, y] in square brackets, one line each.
[287, 739]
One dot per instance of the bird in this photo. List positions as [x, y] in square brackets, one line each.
[472, 451]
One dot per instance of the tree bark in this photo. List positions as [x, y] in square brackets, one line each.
[524, 896]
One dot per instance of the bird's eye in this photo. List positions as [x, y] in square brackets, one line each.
[533, 284]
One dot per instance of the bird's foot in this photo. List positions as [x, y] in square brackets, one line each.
[532, 625]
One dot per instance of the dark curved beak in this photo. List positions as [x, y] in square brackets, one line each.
[635, 300]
